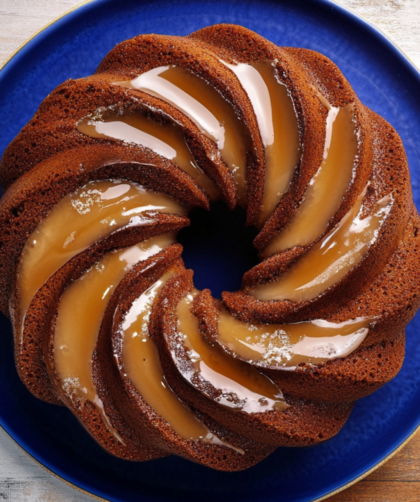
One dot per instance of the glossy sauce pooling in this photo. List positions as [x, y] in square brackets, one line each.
[85, 300]
[243, 387]
[278, 127]
[326, 190]
[167, 140]
[201, 102]
[330, 259]
[140, 362]
[78, 221]
[287, 345]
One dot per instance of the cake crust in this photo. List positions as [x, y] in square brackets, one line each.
[52, 159]
[116, 389]
[303, 423]
[304, 82]
[54, 129]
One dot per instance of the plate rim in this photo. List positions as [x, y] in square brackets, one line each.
[347, 11]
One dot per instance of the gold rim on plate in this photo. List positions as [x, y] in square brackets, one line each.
[342, 488]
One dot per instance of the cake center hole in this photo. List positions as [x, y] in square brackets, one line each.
[218, 247]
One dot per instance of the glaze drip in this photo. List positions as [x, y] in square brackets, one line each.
[278, 128]
[167, 140]
[202, 103]
[86, 300]
[288, 345]
[140, 361]
[332, 258]
[326, 190]
[242, 386]
[79, 220]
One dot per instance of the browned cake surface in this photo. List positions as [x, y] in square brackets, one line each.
[28, 200]
[132, 446]
[31, 346]
[357, 375]
[53, 129]
[304, 423]
[390, 174]
[143, 420]
[237, 44]
[51, 158]
[145, 52]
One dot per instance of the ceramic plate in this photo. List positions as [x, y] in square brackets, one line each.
[385, 81]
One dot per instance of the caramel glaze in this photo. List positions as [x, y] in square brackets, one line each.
[383, 183]
[269, 427]
[240, 45]
[312, 216]
[278, 127]
[86, 300]
[140, 362]
[201, 102]
[167, 140]
[358, 374]
[240, 386]
[264, 90]
[326, 190]
[288, 345]
[273, 108]
[115, 384]
[332, 258]
[80, 219]
[36, 194]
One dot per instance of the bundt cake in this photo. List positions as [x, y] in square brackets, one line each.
[106, 317]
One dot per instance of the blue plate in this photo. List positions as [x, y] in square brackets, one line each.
[385, 81]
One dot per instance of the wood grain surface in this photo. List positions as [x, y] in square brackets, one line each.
[22, 479]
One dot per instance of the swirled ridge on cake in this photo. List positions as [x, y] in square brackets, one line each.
[106, 318]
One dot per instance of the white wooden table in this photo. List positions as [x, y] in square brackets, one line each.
[21, 479]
